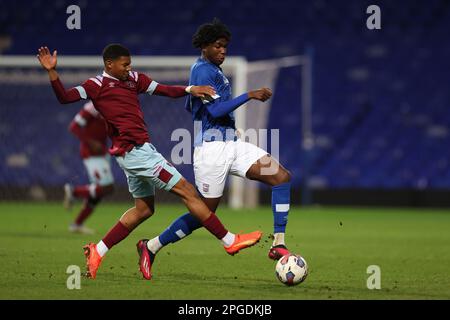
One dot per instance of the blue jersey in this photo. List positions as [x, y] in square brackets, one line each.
[223, 128]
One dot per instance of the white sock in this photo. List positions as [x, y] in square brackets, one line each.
[102, 249]
[154, 245]
[278, 239]
[228, 239]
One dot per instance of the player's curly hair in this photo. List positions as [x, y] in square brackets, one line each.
[209, 33]
[115, 50]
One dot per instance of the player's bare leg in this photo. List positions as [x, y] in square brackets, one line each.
[203, 212]
[270, 172]
[212, 203]
[232, 243]
[142, 210]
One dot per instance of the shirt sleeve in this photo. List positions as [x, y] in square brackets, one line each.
[64, 96]
[89, 89]
[145, 84]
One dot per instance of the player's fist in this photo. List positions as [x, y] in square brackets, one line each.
[262, 94]
[48, 61]
[202, 91]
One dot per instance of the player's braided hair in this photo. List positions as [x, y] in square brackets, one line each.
[115, 50]
[209, 32]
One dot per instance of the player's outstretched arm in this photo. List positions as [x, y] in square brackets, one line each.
[202, 91]
[220, 109]
[181, 91]
[48, 62]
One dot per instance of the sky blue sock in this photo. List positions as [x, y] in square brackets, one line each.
[281, 196]
[180, 228]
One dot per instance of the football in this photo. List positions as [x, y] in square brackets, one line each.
[291, 269]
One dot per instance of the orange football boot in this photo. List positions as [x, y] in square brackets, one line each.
[243, 241]
[93, 260]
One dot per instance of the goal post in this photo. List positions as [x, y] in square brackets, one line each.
[265, 73]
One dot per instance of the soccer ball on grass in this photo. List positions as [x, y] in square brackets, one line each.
[291, 269]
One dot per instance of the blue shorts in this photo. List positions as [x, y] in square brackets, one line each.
[146, 169]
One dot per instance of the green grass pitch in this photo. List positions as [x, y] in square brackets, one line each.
[411, 247]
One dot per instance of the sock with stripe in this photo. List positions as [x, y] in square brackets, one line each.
[281, 195]
[113, 237]
[180, 228]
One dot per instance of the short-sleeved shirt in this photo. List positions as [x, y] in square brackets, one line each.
[117, 101]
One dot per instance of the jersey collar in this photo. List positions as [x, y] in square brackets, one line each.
[109, 76]
[202, 59]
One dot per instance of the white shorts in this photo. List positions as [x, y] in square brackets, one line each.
[99, 170]
[214, 160]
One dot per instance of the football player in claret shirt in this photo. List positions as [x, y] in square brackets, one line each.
[219, 151]
[92, 130]
[114, 94]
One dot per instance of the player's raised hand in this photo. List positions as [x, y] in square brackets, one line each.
[262, 94]
[203, 91]
[48, 61]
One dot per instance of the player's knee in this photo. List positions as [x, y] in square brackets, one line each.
[287, 176]
[144, 213]
[144, 210]
[187, 190]
[283, 176]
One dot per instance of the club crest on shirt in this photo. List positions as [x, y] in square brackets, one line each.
[130, 84]
[111, 84]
